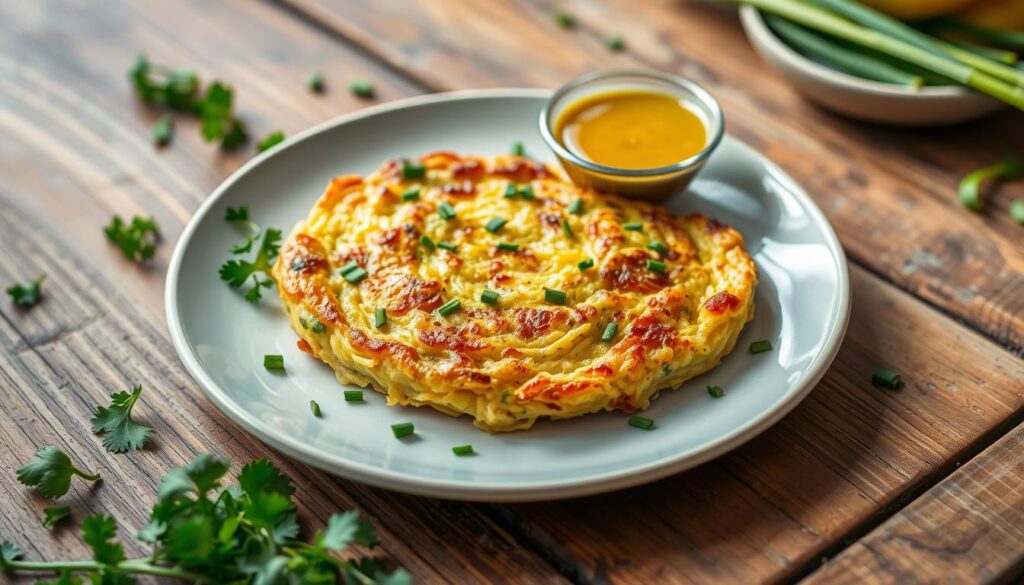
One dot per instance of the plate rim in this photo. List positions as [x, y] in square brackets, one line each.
[468, 490]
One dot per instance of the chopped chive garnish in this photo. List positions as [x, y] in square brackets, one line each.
[413, 170]
[508, 247]
[303, 322]
[633, 226]
[449, 307]
[313, 406]
[576, 207]
[402, 430]
[354, 276]
[658, 247]
[361, 88]
[586, 264]
[656, 266]
[494, 224]
[641, 423]
[761, 346]
[510, 191]
[353, 395]
[518, 149]
[448, 246]
[380, 317]
[411, 194]
[555, 297]
[716, 391]
[526, 192]
[566, 228]
[318, 327]
[427, 242]
[564, 19]
[887, 378]
[163, 130]
[446, 211]
[348, 268]
[316, 83]
[463, 450]
[609, 332]
[615, 43]
[273, 362]
[489, 296]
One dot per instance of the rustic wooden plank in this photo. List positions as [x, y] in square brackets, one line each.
[889, 193]
[967, 529]
[845, 455]
[76, 150]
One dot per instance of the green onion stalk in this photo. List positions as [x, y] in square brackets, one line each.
[827, 22]
[875, 20]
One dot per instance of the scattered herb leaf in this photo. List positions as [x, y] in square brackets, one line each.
[50, 472]
[314, 407]
[316, 83]
[27, 295]
[163, 130]
[136, 240]
[54, 514]
[362, 88]
[272, 140]
[120, 433]
[238, 272]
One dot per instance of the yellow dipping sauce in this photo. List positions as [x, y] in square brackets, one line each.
[631, 129]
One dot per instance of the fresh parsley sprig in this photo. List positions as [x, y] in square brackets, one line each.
[207, 534]
[120, 432]
[137, 240]
[181, 91]
[50, 472]
[27, 295]
[237, 272]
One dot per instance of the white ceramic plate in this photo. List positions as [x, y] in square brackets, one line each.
[802, 306]
[863, 99]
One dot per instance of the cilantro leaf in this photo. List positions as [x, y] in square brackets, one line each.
[272, 140]
[136, 240]
[240, 213]
[8, 552]
[261, 476]
[121, 434]
[157, 84]
[216, 119]
[97, 531]
[27, 295]
[192, 538]
[50, 471]
[205, 472]
[268, 509]
[237, 272]
[54, 514]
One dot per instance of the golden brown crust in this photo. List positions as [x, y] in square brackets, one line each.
[510, 363]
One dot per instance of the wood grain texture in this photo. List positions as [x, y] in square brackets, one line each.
[846, 455]
[75, 150]
[891, 194]
[968, 529]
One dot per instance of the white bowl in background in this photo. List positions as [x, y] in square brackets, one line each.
[863, 99]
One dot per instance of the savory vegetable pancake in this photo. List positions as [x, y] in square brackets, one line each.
[490, 286]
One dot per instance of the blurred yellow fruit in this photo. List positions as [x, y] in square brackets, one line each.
[1005, 14]
[911, 9]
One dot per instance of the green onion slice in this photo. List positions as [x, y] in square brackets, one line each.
[658, 247]
[446, 211]
[526, 192]
[448, 246]
[489, 296]
[427, 242]
[566, 228]
[353, 395]
[633, 226]
[463, 450]
[402, 429]
[576, 207]
[348, 268]
[273, 362]
[413, 171]
[609, 332]
[586, 264]
[313, 406]
[356, 275]
[411, 195]
[656, 266]
[761, 346]
[641, 422]
[555, 297]
[518, 149]
[380, 317]
[886, 378]
[318, 327]
[510, 191]
[494, 224]
[449, 307]
[716, 391]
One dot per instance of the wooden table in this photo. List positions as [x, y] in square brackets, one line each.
[858, 484]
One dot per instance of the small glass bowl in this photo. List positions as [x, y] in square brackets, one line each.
[656, 183]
